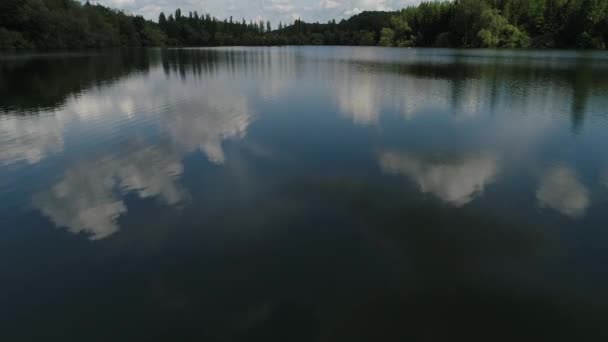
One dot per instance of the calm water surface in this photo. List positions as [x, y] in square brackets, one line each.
[304, 194]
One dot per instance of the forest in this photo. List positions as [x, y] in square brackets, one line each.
[70, 24]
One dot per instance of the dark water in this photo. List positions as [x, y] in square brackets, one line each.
[304, 194]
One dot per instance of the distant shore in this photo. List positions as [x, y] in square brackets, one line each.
[555, 24]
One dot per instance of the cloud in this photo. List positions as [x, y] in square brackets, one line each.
[457, 182]
[206, 124]
[83, 201]
[560, 190]
[279, 6]
[359, 98]
[363, 94]
[88, 198]
[150, 172]
[329, 4]
[123, 2]
[30, 139]
[380, 5]
[274, 10]
[352, 11]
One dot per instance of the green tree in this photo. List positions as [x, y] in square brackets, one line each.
[465, 21]
[12, 40]
[387, 37]
[162, 20]
[402, 30]
[497, 32]
[367, 38]
[49, 24]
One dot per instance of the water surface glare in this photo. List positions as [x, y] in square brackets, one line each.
[304, 194]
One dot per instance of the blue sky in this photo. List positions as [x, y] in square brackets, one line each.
[273, 10]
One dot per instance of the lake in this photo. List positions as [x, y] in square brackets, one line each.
[304, 194]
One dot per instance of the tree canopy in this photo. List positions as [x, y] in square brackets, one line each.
[48, 24]
[52, 24]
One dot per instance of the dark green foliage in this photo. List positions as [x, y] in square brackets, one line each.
[12, 39]
[495, 31]
[466, 23]
[504, 23]
[458, 23]
[56, 24]
[387, 37]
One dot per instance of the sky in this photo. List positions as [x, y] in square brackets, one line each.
[273, 10]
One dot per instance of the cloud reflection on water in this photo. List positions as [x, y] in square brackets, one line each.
[363, 94]
[203, 124]
[561, 190]
[89, 197]
[200, 98]
[457, 182]
[30, 139]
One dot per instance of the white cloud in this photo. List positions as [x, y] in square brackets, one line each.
[34, 137]
[201, 120]
[359, 98]
[88, 199]
[204, 124]
[119, 3]
[363, 94]
[329, 4]
[560, 190]
[457, 182]
[274, 10]
[83, 201]
[151, 172]
[352, 11]
[279, 6]
[379, 5]
[30, 139]
[151, 11]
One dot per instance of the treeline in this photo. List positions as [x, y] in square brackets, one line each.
[458, 23]
[61, 24]
[204, 30]
[195, 30]
[501, 23]
[469, 23]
